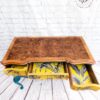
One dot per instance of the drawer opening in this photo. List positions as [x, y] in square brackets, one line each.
[40, 70]
[81, 76]
[16, 70]
[51, 70]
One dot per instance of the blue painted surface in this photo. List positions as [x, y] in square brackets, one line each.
[16, 80]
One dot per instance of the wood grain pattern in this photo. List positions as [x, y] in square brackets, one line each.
[48, 49]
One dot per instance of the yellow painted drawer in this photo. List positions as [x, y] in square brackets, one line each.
[82, 77]
[46, 70]
[39, 70]
[16, 70]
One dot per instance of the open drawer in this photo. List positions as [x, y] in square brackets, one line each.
[16, 70]
[82, 77]
[39, 70]
[46, 57]
[44, 70]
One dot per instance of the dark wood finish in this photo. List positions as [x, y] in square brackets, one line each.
[24, 50]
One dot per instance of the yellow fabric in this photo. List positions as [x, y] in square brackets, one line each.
[77, 75]
[20, 70]
[48, 70]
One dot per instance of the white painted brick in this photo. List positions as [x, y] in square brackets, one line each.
[49, 18]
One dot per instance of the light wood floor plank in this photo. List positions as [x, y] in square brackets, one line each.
[46, 90]
[7, 94]
[35, 90]
[20, 94]
[6, 84]
[72, 94]
[87, 95]
[58, 90]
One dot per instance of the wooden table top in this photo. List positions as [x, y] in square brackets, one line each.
[48, 49]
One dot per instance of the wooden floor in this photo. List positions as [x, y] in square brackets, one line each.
[45, 89]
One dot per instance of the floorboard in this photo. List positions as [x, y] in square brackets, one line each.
[35, 89]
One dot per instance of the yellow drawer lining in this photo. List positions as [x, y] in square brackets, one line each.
[38, 69]
[79, 81]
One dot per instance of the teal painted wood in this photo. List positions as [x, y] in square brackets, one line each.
[16, 80]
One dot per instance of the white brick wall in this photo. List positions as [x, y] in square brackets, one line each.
[49, 18]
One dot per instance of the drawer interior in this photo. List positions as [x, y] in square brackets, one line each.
[81, 76]
[48, 70]
[41, 70]
[16, 70]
